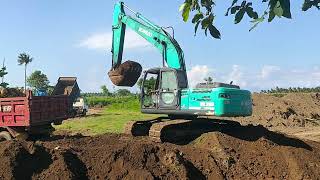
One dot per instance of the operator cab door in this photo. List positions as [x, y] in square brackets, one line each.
[168, 93]
[150, 90]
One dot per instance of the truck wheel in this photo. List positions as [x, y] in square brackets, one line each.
[73, 114]
[84, 113]
[5, 136]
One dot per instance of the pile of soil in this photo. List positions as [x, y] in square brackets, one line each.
[126, 74]
[291, 110]
[11, 92]
[244, 152]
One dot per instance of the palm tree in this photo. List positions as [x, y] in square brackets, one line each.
[24, 59]
[208, 80]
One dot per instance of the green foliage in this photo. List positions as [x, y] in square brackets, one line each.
[3, 72]
[310, 3]
[108, 100]
[204, 14]
[50, 90]
[149, 84]
[24, 59]
[38, 80]
[92, 94]
[105, 91]
[139, 83]
[123, 92]
[129, 103]
[280, 91]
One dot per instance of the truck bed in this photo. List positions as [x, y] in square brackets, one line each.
[67, 86]
[33, 110]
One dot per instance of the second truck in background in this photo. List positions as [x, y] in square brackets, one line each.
[69, 86]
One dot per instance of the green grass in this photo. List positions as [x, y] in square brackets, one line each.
[109, 100]
[109, 119]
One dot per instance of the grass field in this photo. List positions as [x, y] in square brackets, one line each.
[109, 119]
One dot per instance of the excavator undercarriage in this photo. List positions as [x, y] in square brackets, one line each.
[178, 131]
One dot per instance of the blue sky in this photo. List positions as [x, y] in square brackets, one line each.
[72, 38]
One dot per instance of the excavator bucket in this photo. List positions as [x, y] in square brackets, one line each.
[127, 74]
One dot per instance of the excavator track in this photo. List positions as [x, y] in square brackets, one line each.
[178, 131]
[169, 130]
[161, 129]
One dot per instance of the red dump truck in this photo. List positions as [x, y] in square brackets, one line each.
[24, 116]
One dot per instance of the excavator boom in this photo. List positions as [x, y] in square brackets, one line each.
[171, 52]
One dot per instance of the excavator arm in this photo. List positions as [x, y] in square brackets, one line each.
[171, 52]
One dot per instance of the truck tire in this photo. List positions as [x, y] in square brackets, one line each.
[5, 136]
[73, 114]
[84, 113]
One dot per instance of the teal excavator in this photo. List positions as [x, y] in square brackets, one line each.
[169, 92]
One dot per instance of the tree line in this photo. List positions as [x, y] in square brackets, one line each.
[293, 90]
[104, 91]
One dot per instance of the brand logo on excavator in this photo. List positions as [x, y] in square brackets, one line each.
[145, 32]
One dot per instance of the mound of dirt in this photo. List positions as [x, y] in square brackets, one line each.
[11, 92]
[250, 152]
[291, 110]
[253, 152]
[20, 160]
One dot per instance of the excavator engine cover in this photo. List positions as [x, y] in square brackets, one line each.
[127, 74]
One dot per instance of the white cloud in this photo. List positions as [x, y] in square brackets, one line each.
[103, 41]
[316, 75]
[267, 77]
[268, 70]
[197, 74]
[237, 76]
[246, 78]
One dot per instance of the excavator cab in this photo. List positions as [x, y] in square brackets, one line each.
[161, 89]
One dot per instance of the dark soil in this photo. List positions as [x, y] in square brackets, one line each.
[250, 152]
[126, 74]
[291, 110]
[223, 150]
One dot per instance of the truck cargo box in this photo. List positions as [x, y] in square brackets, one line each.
[67, 86]
[33, 110]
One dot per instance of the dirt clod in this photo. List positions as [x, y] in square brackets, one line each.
[127, 74]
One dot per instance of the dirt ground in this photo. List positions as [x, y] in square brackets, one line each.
[244, 152]
[255, 148]
[295, 114]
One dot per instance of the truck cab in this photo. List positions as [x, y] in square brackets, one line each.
[80, 107]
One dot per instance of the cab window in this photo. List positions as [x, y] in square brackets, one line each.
[150, 86]
[168, 80]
